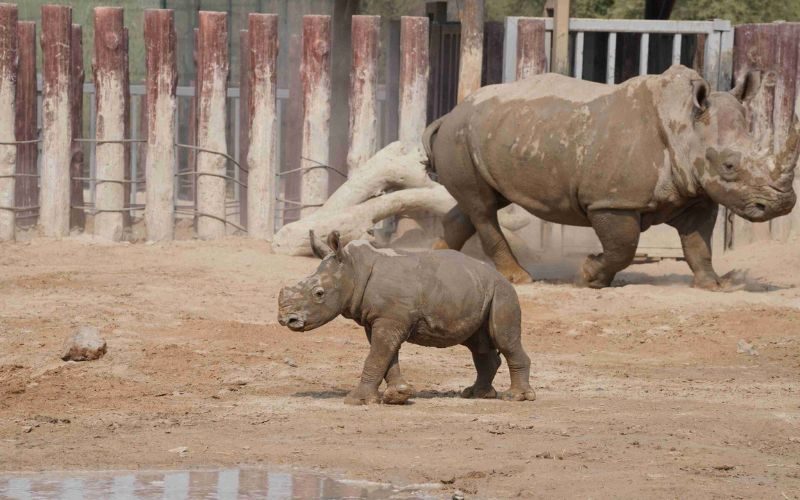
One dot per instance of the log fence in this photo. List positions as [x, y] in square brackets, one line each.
[130, 162]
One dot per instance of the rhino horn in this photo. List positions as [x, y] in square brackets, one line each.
[787, 158]
[319, 248]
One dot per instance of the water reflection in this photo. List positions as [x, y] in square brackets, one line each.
[195, 484]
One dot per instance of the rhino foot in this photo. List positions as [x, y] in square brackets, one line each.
[360, 396]
[592, 275]
[517, 276]
[519, 395]
[473, 392]
[397, 394]
[711, 283]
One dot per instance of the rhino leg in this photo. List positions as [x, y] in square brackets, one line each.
[486, 364]
[385, 339]
[398, 391]
[505, 328]
[457, 230]
[618, 231]
[695, 227]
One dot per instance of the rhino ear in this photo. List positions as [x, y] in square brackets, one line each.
[700, 91]
[318, 248]
[747, 85]
[334, 242]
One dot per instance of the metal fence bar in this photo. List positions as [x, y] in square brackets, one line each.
[611, 58]
[578, 71]
[644, 53]
[676, 49]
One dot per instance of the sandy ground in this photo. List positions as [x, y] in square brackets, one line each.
[641, 390]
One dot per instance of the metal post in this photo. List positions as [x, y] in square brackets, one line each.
[77, 217]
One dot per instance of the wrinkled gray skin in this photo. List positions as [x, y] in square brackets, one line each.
[619, 158]
[437, 299]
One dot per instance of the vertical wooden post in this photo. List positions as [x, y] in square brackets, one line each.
[213, 76]
[77, 217]
[532, 60]
[469, 77]
[162, 79]
[560, 56]
[414, 71]
[363, 91]
[56, 123]
[244, 120]
[316, 77]
[8, 89]
[531, 55]
[27, 187]
[126, 133]
[109, 79]
[262, 157]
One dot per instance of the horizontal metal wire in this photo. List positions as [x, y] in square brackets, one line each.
[204, 150]
[11, 176]
[198, 213]
[107, 141]
[101, 181]
[20, 209]
[213, 175]
[312, 167]
[16, 143]
[92, 210]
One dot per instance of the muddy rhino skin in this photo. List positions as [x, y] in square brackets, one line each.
[619, 158]
[436, 298]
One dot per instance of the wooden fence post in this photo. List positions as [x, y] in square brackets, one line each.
[77, 217]
[560, 56]
[262, 156]
[109, 79]
[8, 88]
[126, 132]
[162, 80]
[244, 121]
[27, 186]
[213, 75]
[56, 123]
[316, 78]
[414, 71]
[532, 60]
[469, 77]
[531, 55]
[363, 91]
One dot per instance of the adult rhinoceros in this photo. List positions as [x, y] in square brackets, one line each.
[619, 158]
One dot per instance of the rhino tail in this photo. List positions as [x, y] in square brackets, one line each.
[427, 142]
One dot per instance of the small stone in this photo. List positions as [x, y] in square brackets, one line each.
[180, 450]
[458, 495]
[27, 429]
[745, 347]
[290, 362]
[85, 344]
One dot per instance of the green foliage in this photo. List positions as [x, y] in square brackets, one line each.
[738, 11]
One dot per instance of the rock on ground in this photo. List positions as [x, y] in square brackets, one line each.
[85, 344]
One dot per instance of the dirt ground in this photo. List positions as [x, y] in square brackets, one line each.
[641, 390]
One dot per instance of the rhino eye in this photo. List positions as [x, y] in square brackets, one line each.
[318, 292]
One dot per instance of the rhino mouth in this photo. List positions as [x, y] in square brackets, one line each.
[294, 322]
[760, 211]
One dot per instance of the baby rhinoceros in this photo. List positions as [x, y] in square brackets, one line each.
[437, 298]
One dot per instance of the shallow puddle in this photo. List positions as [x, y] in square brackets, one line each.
[234, 483]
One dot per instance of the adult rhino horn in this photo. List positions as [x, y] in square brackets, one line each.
[787, 158]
